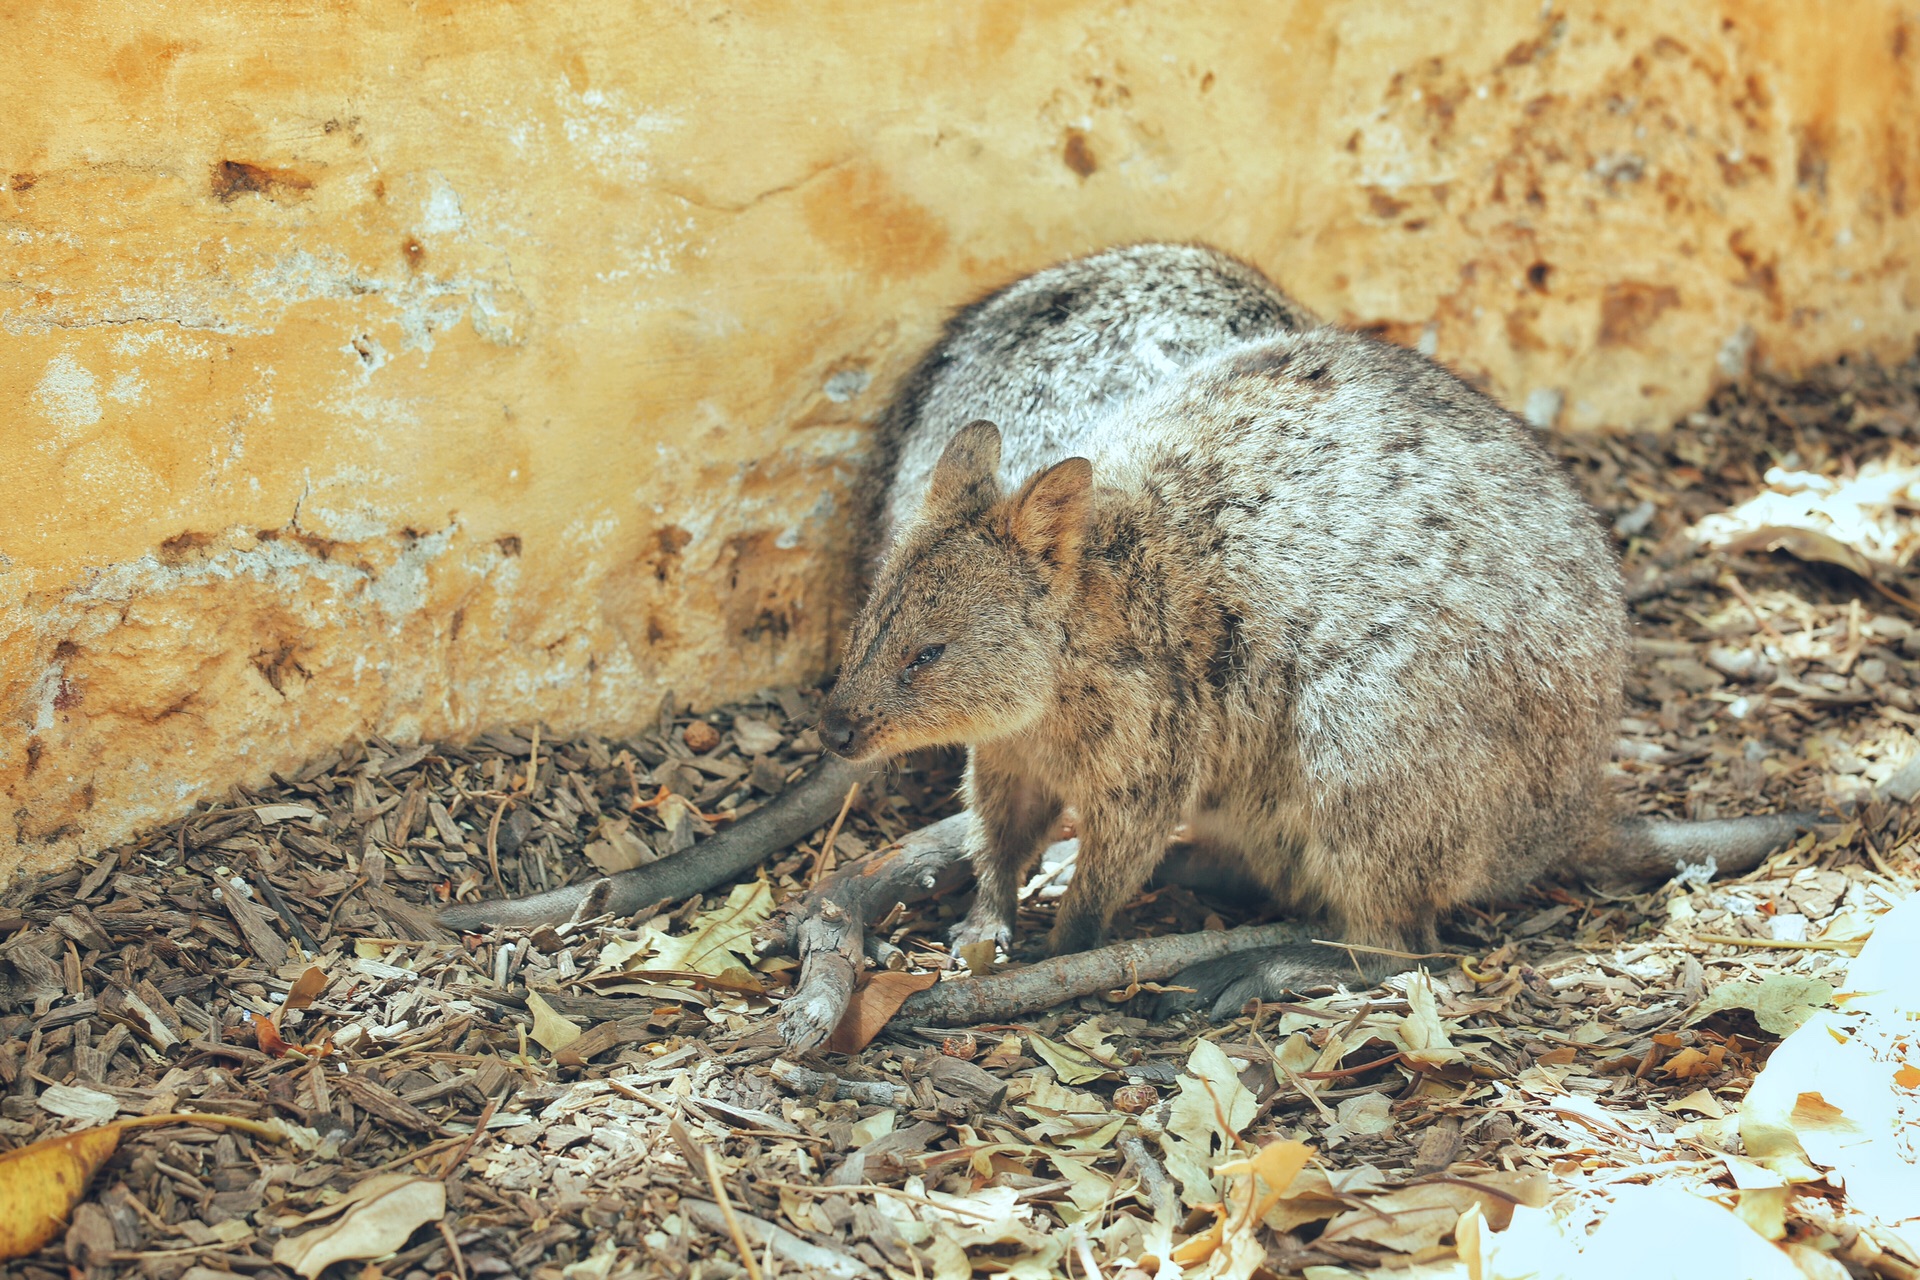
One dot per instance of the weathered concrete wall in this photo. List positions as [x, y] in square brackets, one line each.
[422, 367]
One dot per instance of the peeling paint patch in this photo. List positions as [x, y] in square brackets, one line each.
[442, 213]
[69, 397]
[615, 136]
[128, 388]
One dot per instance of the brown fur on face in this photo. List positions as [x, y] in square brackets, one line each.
[958, 641]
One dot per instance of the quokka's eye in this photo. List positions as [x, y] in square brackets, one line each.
[927, 655]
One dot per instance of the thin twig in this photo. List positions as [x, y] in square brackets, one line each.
[453, 1246]
[870, 1189]
[1386, 951]
[1850, 947]
[833, 832]
[458, 1158]
[726, 1210]
[1341, 1073]
[493, 843]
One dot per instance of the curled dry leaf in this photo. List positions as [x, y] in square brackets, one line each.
[873, 1005]
[306, 988]
[373, 1227]
[552, 1031]
[1231, 1247]
[41, 1182]
[267, 1036]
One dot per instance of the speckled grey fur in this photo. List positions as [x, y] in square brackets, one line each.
[1314, 597]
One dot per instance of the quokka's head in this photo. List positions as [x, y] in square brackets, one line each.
[961, 638]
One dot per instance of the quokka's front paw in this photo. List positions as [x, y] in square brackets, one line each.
[976, 928]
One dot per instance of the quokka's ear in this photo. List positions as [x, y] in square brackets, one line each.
[963, 481]
[1049, 518]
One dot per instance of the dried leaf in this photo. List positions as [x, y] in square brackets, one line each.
[1699, 1100]
[719, 940]
[618, 848]
[267, 1036]
[873, 1005]
[42, 1181]
[306, 988]
[552, 1031]
[1780, 1002]
[1070, 1065]
[1414, 1218]
[1423, 1035]
[1205, 1120]
[373, 1227]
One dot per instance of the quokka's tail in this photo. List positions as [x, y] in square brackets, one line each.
[1651, 850]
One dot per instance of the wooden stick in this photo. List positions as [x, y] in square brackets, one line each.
[810, 1258]
[927, 862]
[781, 823]
[1002, 997]
[821, 862]
[728, 1216]
[806, 1081]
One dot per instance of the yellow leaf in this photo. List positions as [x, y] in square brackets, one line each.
[1277, 1164]
[42, 1181]
[552, 1031]
[1907, 1077]
[1699, 1100]
[306, 988]
[1466, 1241]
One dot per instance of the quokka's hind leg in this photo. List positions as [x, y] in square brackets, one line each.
[1122, 839]
[1011, 818]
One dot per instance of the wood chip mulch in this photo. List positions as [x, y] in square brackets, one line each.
[270, 957]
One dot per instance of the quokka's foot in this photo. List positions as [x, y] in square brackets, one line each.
[978, 927]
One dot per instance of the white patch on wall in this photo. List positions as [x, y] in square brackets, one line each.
[614, 135]
[1543, 407]
[128, 388]
[442, 212]
[69, 397]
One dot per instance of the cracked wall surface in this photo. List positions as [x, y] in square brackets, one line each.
[419, 368]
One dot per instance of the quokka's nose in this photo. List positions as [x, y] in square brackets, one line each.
[836, 731]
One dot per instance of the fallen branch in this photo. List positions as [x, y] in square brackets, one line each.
[810, 1083]
[781, 823]
[924, 864]
[1005, 996]
[827, 927]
